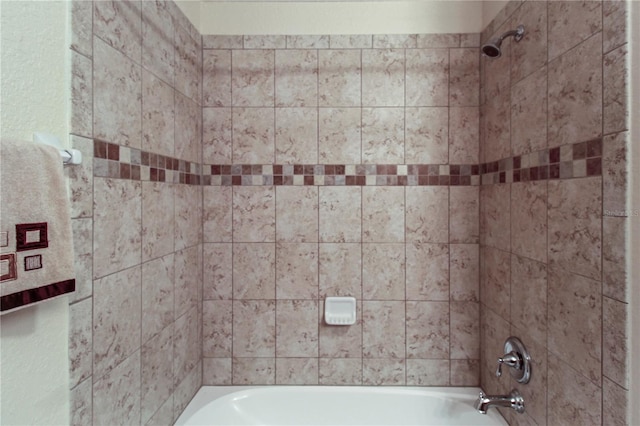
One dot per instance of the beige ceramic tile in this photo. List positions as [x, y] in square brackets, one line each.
[187, 350]
[465, 330]
[164, 414]
[253, 135]
[383, 372]
[119, 24]
[254, 211]
[464, 130]
[572, 398]
[296, 135]
[615, 76]
[339, 78]
[530, 53]
[254, 328]
[157, 296]
[340, 214]
[383, 271]
[82, 28]
[340, 270]
[464, 77]
[439, 40]
[575, 321]
[80, 341]
[186, 390]
[614, 174]
[575, 225]
[216, 78]
[383, 331]
[81, 179]
[158, 51]
[493, 332]
[116, 396]
[495, 128]
[217, 213]
[529, 113]
[614, 28]
[428, 330]
[383, 214]
[529, 282]
[297, 371]
[81, 121]
[188, 141]
[117, 225]
[116, 319]
[383, 135]
[464, 372]
[157, 225]
[307, 41]
[252, 82]
[254, 271]
[496, 215]
[217, 271]
[428, 372]
[427, 73]
[337, 371]
[117, 96]
[83, 258]
[265, 42]
[188, 281]
[614, 239]
[158, 118]
[575, 93]
[339, 135]
[386, 41]
[383, 77]
[188, 215]
[216, 136]
[254, 371]
[216, 371]
[81, 404]
[217, 328]
[296, 74]
[427, 271]
[571, 22]
[426, 135]
[297, 271]
[495, 279]
[340, 342]
[297, 328]
[464, 272]
[156, 358]
[464, 208]
[351, 41]
[615, 400]
[297, 213]
[529, 220]
[188, 64]
[615, 341]
[427, 214]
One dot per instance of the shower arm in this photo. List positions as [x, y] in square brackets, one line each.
[517, 34]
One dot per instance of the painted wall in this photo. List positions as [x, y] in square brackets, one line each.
[554, 216]
[357, 17]
[34, 341]
[135, 344]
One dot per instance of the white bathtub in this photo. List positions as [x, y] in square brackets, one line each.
[335, 405]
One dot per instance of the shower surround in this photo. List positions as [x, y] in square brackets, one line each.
[235, 181]
[554, 220]
[341, 166]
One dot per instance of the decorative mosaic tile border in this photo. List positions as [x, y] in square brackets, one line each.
[120, 162]
[341, 174]
[581, 159]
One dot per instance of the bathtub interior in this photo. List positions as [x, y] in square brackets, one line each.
[335, 405]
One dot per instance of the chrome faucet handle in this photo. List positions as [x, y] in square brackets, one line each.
[512, 359]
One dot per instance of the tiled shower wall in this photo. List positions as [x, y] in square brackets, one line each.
[553, 214]
[341, 166]
[135, 333]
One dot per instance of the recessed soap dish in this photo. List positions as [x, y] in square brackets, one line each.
[340, 310]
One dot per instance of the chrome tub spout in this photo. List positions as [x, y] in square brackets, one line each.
[513, 400]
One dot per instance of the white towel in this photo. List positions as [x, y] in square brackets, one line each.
[36, 245]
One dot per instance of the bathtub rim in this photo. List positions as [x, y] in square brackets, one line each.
[207, 394]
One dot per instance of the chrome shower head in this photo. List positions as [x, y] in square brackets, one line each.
[492, 48]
